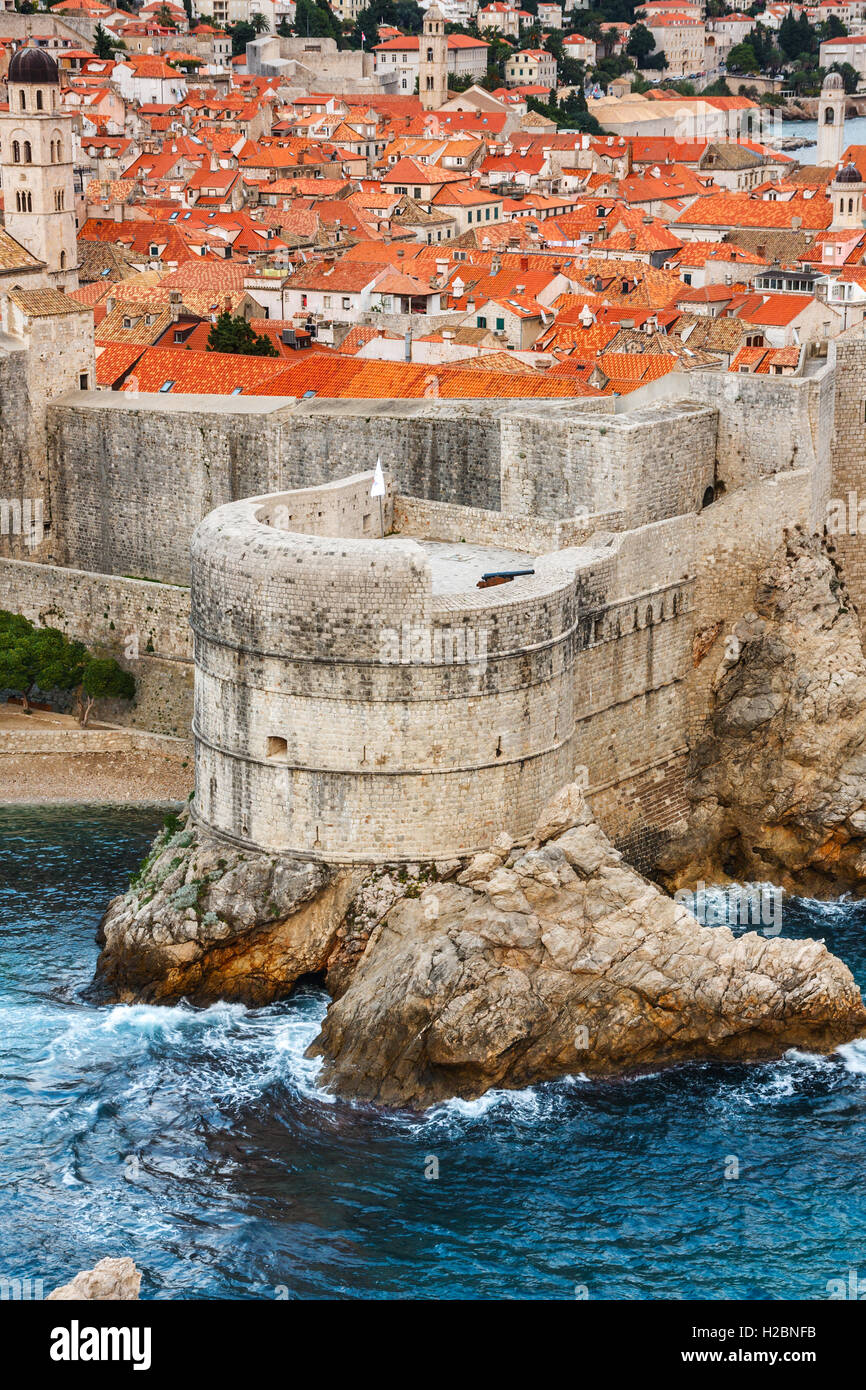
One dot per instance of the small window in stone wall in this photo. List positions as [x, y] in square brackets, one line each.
[278, 748]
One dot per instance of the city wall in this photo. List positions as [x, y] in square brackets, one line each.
[648, 580]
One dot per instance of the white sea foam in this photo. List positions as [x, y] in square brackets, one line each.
[853, 1056]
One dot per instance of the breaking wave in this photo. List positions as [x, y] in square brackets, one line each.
[202, 1143]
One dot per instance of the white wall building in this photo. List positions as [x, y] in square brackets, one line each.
[400, 59]
[531, 67]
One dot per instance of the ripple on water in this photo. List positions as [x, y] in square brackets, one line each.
[202, 1143]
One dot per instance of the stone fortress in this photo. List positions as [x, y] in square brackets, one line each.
[646, 521]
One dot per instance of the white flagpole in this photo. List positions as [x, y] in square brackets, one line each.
[378, 490]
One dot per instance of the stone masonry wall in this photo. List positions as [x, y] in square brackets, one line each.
[344, 711]
[848, 487]
[119, 617]
[652, 463]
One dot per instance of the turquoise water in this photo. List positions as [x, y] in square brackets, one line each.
[198, 1142]
[855, 134]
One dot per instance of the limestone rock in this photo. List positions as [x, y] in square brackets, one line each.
[203, 921]
[109, 1281]
[567, 962]
[777, 782]
[562, 812]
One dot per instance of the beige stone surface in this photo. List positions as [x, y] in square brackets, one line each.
[567, 961]
[112, 1280]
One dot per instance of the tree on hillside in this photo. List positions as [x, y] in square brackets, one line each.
[849, 75]
[233, 334]
[44, 658]
[742, 58]
[833, 29]
[316, 19]
[103, 44]
[410, 16]
[640, 44]
[241, 35]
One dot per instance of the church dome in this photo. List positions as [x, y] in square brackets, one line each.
[32, 65]
[850, 174]
[832, 82]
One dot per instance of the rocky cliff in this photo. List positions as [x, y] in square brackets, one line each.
[558, 959]
[777, 779]
[528, 963]
[203, 921]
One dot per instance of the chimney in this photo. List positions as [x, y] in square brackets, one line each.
[524, 262]
[632, 240]
[174, 302]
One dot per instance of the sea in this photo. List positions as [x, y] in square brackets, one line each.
[855, 134]
[201, 1143]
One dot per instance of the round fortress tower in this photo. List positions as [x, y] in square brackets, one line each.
[349, 707]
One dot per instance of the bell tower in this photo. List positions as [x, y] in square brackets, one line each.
[846, 194]
[37, 166]
[433, 60]
[831, 120]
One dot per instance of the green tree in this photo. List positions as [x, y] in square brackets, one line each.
[44, 658]
[568, 114]
[409, 16]
[640, 44]
[849, 75]
[103, 679]
[241, 35]
[833, 29]
[259, 23]
[233, 334]
[103, 44]
[742, 58]
[316, 18]
[163, 17]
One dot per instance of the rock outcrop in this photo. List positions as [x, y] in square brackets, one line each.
[109, 1281]
[203, 921]
[778, 781]
[557, 959]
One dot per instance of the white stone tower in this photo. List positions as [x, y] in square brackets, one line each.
[831, 120]
[433, 61]
[36, 163]
[846, 192]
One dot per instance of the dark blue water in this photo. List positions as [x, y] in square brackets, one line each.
[197, 1142]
